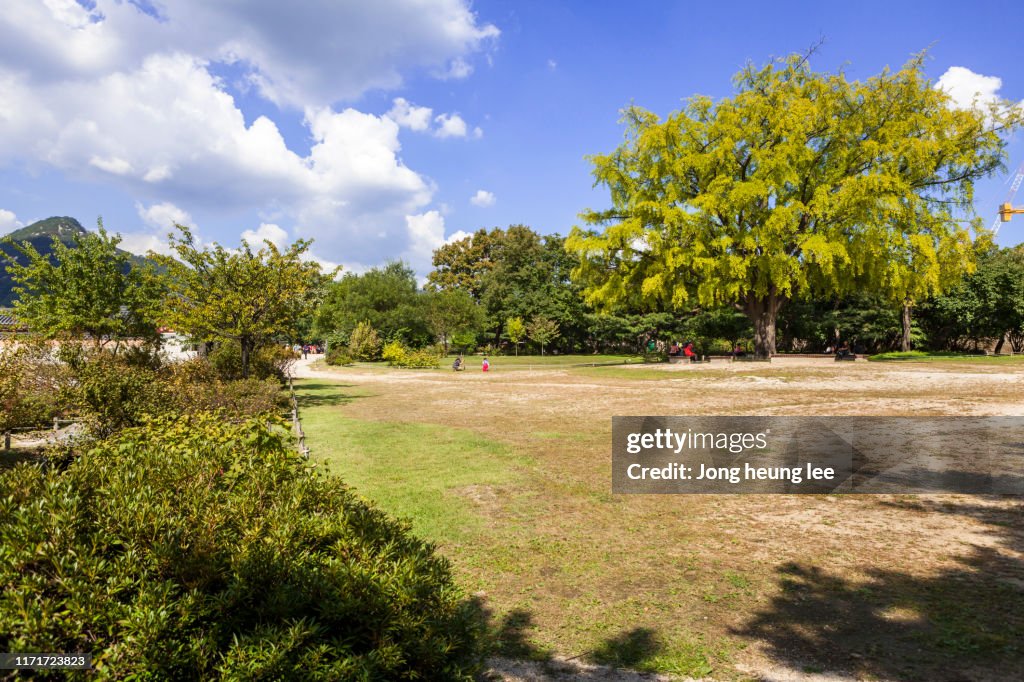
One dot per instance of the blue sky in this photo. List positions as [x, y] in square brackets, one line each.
[286, 120]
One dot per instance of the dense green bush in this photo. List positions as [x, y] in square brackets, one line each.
[196, 386]
[338, 355]
[398, 355]
[30, 381]
[364, 342]
[268, 362]
[110, 391]
[196, 549]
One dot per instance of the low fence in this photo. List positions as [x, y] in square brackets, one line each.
[300, 435]
[57, 423]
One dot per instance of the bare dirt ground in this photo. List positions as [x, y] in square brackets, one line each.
[768, 587]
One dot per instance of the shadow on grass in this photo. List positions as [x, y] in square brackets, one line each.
[634, 648]
[323, 394]
[509, 635]
[516, 656]
[11, 458]
[963, 623]
[634, 653]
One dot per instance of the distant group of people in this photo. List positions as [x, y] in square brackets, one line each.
[686, 350]
[841, 350]
[460, 364]
[307, 348]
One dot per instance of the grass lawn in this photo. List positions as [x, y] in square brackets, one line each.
[945, 357]
[509, 474]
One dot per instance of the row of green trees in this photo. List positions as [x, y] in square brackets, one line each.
[984, 308]
[815, 206]
[248, 298]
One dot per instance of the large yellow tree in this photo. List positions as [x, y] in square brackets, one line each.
[801, 182]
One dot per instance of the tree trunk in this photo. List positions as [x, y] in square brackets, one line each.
[763, 312]
[246, 352]
[905, 324]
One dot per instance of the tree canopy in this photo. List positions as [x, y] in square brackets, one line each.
[387, 297]
[800, 183]
[239, 296]
[511, 272]
[87, 287]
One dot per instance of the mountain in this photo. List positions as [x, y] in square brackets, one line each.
[40, 235]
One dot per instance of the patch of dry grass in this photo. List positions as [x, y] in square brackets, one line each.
[885, 587]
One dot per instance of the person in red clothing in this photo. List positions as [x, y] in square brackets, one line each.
[486, 365]
[688, 351]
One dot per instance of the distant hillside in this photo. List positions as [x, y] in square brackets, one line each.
[40, 235]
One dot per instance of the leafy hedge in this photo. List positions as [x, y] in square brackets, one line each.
[397, 355]
[338, 355]
[197, 549]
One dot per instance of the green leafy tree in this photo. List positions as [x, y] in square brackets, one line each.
[516, 330]
[251, 298]
[513, 272]
[451, 312]
[543, 331]
[800, 183]
[987, 305]
[387, 297]
[87, 288]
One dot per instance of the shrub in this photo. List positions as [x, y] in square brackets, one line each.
[338, 355]
[268, 362]
[338, 339]
[30, 382]
[111, 392]
[195, 549]
[364, 342]
[395, 353]
[196, 387]
[423, 359]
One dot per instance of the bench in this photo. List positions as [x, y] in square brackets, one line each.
[674, 359]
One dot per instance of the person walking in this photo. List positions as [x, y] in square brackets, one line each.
[486, 365]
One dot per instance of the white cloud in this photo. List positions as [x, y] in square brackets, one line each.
[458, 69]
[268, 232]
[410, 116]
[141, 243]
[483, 198]
[426, 234]
[967, 88]
[159, 221]
[113, 95]
[456, 236]
[176, 133]
[552, 65]
[478, 133]
[8, 221]
[298, 54]
[163, 216]
[450, 125]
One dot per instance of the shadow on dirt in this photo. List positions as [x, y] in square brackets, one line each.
[964, 623]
